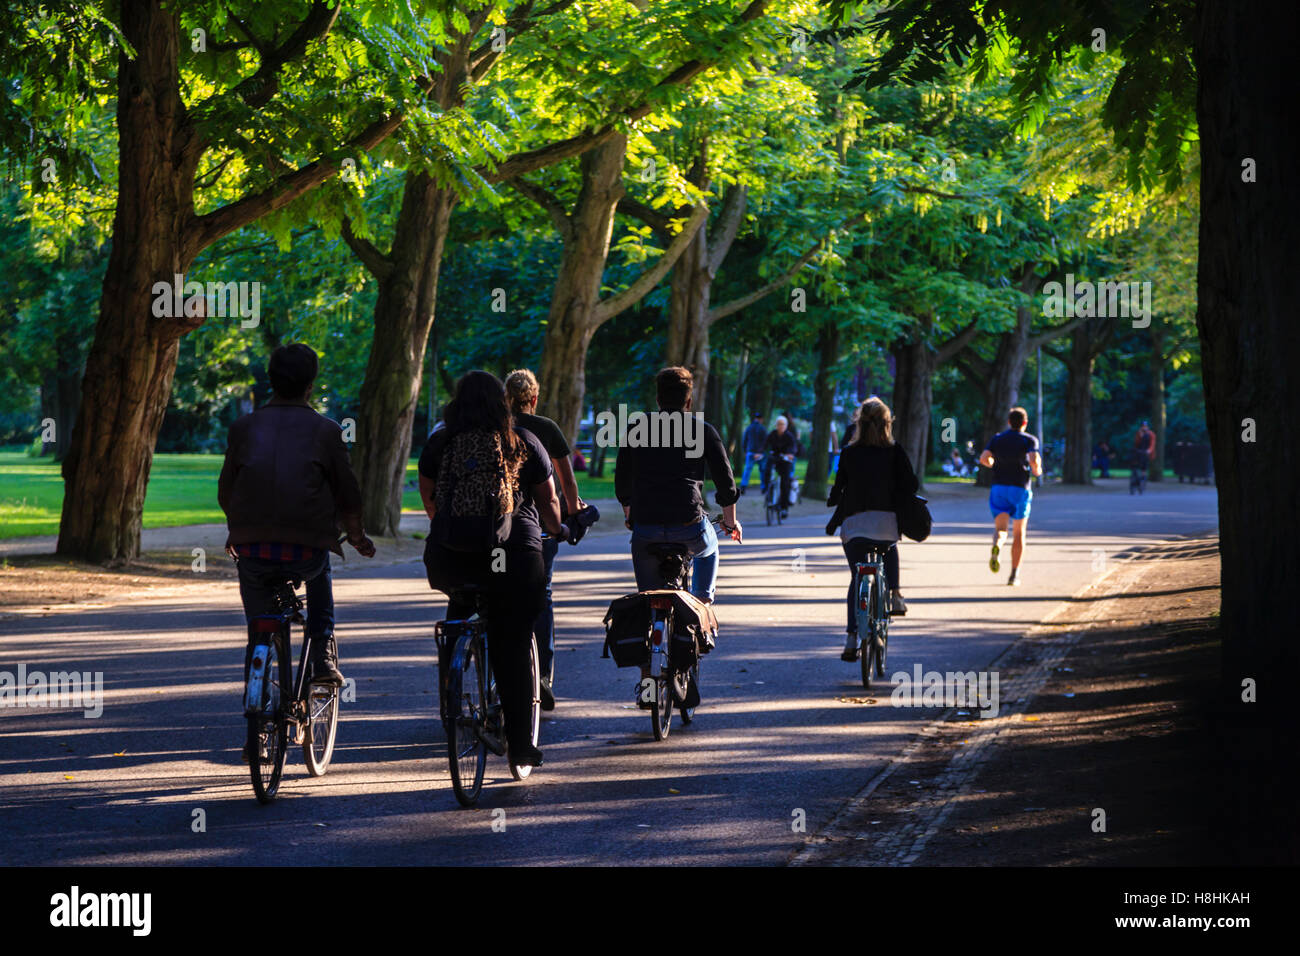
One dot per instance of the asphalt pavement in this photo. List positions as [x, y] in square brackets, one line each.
[786, 733]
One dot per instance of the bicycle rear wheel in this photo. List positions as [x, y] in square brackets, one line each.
[322, 727]
[661, 718]
[867, 631]
[535, 717]
[467, 710]
[268, 730]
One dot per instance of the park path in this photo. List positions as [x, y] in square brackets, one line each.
[786, 733]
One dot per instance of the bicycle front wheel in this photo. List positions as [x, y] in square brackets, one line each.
[535, 716]
[467, 712]
[268, 730]
[322, 726]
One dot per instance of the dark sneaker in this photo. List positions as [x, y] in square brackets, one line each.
[850, 652]
[1014, 580]
[548, 697]
[526, 756]
[325, 661]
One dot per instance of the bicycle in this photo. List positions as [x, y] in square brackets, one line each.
[1137, 479]
[471, 710]
[668, 654]
[776, 508]
[872, 614]
[277, 701]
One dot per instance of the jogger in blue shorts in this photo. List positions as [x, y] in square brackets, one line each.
[1013, 457]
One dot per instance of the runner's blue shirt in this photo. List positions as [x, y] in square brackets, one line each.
[1011, 450]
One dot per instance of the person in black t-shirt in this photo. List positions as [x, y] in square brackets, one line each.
[522, 390]
[661, 491]
[1013, 456]
[514, 587]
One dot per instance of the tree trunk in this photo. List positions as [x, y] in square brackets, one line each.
[132, 359]
[404, 309]
[915, 366]
[1077, 467]
[61, 394]
[828, 355]
[688, 311]
[1156, 472]
[571, 321]
[739, 420]
[1249, 237]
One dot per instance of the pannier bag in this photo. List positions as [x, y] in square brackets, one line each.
[629, 620]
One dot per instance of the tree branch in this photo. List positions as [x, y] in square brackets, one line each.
[608, 308]
[201, 231]
[728, 224]
[653, 218]
[1052, 334]
[945, 352]
[548, 201]
[261, 87]
[376, 263]
[735, 305]
[530, 160]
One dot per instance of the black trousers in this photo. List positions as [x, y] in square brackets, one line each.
[513, 596]
[855, 549]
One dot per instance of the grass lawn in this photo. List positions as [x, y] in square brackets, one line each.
[182, 490]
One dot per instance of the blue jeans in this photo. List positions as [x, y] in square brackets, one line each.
[701, 544]
[750, 462]
[544, 626]
[835, 464]
[259, 578]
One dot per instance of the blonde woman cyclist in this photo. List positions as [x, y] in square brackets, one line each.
[873, 473]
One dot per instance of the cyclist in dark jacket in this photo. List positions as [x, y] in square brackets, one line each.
[661, 490]
[780, 443]
[751, 444]
[874, 472]
[286, 485]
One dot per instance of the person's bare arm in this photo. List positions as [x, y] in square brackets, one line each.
[548, 507]
[427, 486]
[729, 518]
[1035, 464]
[986, 458]
[568, 484]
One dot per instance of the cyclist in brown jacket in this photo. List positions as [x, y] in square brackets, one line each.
[286, 487]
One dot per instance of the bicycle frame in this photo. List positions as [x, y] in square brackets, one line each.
[293, 698]
[873, 585]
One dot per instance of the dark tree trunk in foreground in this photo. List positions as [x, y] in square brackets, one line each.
[1250, 351]
[828, 355]
[1156, 370]
[571, 321]
[403, 317]
[132, 360]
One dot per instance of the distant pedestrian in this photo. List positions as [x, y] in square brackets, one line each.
[1013, 456]
[751, 446]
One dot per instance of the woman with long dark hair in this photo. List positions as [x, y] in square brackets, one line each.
[873, 473]
[519, 471]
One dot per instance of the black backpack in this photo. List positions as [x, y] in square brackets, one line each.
[474, 497]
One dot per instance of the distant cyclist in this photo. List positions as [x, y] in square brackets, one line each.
[874, 472]
[1144, 446]
[1013, 456]
[781, 447]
